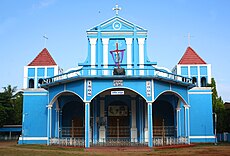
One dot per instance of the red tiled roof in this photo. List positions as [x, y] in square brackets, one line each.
[191, 57]
[43, 59]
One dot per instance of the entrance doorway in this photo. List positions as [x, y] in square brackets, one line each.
[118, 124]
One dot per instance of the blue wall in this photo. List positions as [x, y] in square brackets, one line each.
[34, 116]
[201, 119]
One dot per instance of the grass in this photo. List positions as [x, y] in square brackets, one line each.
[8, 149]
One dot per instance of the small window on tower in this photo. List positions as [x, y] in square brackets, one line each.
[31, 83]
[194, 81]
[203, 82]
[40, 81]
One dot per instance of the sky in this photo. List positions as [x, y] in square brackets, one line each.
[24, 23]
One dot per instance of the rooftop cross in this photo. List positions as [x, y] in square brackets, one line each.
[189, 39]
[45, 38]
[117, 9]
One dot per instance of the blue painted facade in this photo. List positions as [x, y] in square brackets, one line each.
[93, 104]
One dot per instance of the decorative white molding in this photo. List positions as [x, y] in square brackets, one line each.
[33, 138]
[105, 42]
[199, 92]
[129, 54]
[93, 54]
[141, 42]
[202, 137]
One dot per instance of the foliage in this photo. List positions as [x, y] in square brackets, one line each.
[10, 106]
[218, 108]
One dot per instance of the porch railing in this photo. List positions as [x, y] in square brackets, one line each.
[118, 131]
[164, 130]
[119, 142]
[86, 72]
[73, 132]
[165, 141]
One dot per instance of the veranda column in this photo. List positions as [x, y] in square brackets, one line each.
[94, 122]
[129, 55]
[186, 122]
[93, 54]
[150, 125]
[105, 42]
[178, 122]
[141, 42]
[102, 130]
[57, 123]
[134, 127]
[49, 123]
[87, 125]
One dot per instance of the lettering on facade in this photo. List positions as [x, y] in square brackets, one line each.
[117, 92]
[148, 88]
[117, 83]
[89, 88]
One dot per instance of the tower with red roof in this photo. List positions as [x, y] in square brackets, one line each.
[193, 66]
[43, 66]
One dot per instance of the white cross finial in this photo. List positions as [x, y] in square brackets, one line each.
[117, 9]
[45, 38]
[189, 39]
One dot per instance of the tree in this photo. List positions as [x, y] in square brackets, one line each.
[10, 106]
[218, 108]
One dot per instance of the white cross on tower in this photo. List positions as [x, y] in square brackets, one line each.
[189, 39]
[117, 9]
[45, 38]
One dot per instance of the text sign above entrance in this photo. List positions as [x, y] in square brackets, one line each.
[117, 92]
[117, 83]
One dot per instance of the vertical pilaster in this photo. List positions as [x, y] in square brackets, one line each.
[141, 42]
[105, 42]
[178, 122]
[94, 122]
[134, 128]
[102, 130]
[87, 125]
[57, 123]
[49, 118]
[186, 124]
[60, 125]
[150, 125]
[129, 55]
[93, 54]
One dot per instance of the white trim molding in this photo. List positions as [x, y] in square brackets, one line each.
[202, 137]
[33, 138]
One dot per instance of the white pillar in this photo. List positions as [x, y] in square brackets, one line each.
[49, 123]
[178, 122]
[129, 55]
[93, 54]
[102, 131]
[87, 125]
[36, 78]
[134, 127]
[105, 42]
[141, 42]
[146, 122]
[198, 76]
[150, 125]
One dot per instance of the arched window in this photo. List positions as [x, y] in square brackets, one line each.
[31, 83]
[194, 81]
[40, 81]
[203, 82]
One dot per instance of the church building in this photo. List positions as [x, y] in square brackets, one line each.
[117, 96]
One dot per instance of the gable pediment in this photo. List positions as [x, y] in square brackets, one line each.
[117, 24]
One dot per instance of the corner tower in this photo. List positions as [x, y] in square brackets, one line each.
[193, 66]
[43, 66]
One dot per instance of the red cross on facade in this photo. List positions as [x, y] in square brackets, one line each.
[117, 60]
